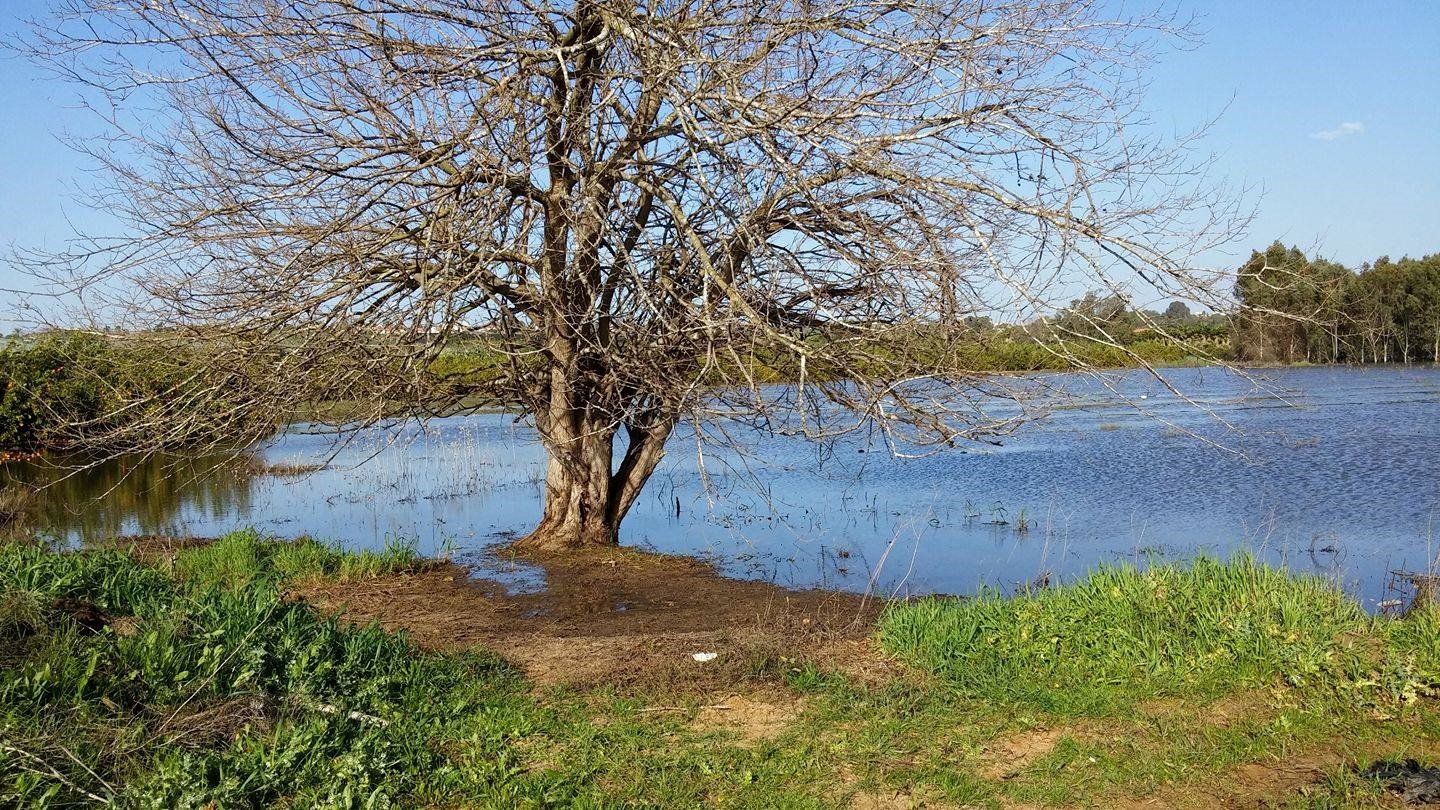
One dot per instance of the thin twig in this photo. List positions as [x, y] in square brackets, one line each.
[54, 773]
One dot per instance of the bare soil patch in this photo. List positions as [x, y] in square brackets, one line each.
[620, 617]
[1011, 755]
[882, 798]
[1251, 705]
[895, 800]
[1273, 782]
[752, 719]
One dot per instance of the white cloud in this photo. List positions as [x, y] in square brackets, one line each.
[1345, 130]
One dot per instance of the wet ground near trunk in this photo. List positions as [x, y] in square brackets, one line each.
[619, 617]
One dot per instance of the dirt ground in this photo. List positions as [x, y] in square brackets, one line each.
[633, 619]
[621, 617]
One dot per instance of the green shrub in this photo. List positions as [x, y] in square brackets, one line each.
[71, 390]
[65, 389]
[44, 384]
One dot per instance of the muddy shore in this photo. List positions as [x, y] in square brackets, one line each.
[620, 616]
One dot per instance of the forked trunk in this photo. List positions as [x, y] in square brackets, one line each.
[577, 502]
[586, 495]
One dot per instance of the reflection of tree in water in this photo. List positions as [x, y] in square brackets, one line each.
[145, 494]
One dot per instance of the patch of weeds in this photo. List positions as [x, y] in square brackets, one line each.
[16, 503]
[807, 676]
[232, 561]
[1243, 664]
[22, 612]
[241, 558]
[110, 580]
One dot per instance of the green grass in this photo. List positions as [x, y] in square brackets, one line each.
[1200, 631]
[206, 685]
[151, 712]
[243, 557]
[109, 579]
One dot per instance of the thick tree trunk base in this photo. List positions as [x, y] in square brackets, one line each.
[586, 495]
[549, 538]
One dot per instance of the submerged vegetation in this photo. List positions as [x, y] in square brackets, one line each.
[202, 679]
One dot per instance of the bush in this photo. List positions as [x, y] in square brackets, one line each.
[67, 390]
[43, 385]
[59, 389]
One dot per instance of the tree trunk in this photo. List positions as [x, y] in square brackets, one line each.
[577, 498]
[586, 495]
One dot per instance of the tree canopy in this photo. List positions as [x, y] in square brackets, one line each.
[630, 200]
[1295, 308]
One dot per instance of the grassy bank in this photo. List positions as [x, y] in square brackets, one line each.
[204, 679]
[1122, 636]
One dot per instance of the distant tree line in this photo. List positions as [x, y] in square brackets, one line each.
[1296, 309]
[1108, 317]
[1290, 308]
[63, 389]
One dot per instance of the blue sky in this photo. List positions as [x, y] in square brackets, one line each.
[1331, 110]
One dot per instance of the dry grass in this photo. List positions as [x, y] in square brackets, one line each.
[15, 504]
[292, 470]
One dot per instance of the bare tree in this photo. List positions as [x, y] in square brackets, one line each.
[642, 212]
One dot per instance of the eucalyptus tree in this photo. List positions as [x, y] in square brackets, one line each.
[643, 212]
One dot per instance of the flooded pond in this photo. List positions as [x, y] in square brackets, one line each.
[1326, 469]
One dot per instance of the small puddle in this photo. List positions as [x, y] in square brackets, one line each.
[493, 564]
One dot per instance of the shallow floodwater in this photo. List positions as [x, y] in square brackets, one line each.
[1330, 470]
